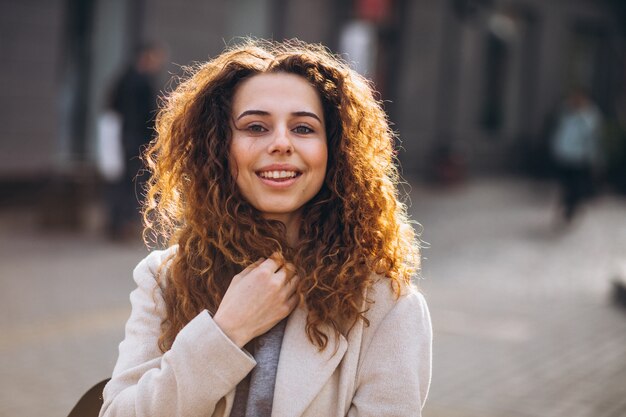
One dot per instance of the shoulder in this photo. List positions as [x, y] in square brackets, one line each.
[383, 298]
[397, 343]
[394, 352]
[152, 266]
[386, 307]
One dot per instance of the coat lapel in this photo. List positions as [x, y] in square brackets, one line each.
[302, 368]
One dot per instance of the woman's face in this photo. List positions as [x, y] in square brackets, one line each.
[278, 152]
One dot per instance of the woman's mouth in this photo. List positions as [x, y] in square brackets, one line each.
[278, 175]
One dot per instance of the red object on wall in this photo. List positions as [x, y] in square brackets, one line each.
[374, 10]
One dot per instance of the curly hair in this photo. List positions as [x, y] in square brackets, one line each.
[354, 229]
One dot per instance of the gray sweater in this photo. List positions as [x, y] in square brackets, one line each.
[255, 393]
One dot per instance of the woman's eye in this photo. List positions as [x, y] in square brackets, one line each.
[256, 129]
[303, 130]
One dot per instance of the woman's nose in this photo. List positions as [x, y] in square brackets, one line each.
[281, 142]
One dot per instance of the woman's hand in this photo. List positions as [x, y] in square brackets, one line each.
[258, 297]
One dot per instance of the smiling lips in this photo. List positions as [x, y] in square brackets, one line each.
[278, 175]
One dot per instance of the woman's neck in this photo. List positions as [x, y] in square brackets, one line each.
[292, 226]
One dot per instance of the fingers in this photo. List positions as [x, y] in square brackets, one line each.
[292, 302]
[292, 284]
[251, 267]
[282, 273]
[276, 262]
[278, 258]
[273, 263]
[290, 270]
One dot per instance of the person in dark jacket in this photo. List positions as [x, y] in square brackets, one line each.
[134, 100]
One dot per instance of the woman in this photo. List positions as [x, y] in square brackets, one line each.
[286, 290]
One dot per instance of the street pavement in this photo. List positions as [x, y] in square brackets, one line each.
[523, 321]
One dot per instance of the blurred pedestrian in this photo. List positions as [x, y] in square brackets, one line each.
[287, 290]
[576, 150]
[134, 100]
[618, 288]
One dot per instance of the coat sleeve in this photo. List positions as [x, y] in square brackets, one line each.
[394, 376]
[202, 366]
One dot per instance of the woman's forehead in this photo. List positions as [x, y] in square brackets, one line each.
[277, 91]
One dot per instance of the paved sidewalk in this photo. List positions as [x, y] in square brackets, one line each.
[521, 311]
[523, 323]
[64, 302]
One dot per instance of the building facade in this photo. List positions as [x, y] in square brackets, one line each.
[474, 80]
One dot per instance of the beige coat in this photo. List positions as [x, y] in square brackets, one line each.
[380, 370]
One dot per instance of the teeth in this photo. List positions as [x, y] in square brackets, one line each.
[278, 174]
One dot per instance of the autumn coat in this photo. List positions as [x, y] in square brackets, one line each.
[378, 370]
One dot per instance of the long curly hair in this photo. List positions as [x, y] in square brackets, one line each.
[355, 229]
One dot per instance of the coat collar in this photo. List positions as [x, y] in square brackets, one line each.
[302, 368]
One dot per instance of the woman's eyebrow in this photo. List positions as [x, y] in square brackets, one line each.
[253, 112]
[265, 113]
[307, 114]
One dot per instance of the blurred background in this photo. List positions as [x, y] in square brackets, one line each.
[511, 117]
